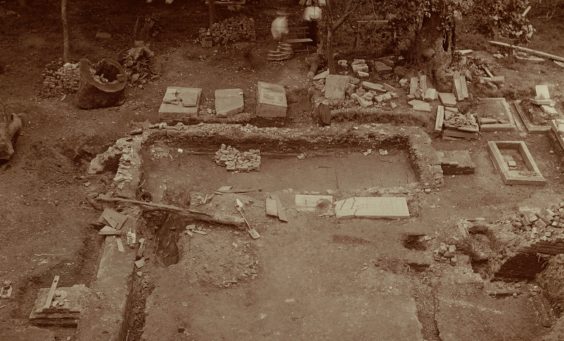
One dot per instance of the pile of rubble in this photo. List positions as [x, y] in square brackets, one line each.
[138, 63]
[445, 253]
[541, 224]
[234, 160]
[459, 125]
[231, 30]
[59, 79]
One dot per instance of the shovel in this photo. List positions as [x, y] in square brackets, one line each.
[239, 206]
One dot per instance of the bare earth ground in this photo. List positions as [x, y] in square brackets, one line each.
[316, 278]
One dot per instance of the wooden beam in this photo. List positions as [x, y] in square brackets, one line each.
[531, 51]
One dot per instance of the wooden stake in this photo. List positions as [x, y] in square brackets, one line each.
[51, 293]
[65, 31]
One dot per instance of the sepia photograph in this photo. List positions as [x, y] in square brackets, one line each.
[281, 170]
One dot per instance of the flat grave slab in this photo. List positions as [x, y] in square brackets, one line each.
[372, 207]
[494, 114]
[533, 126]
[229, 102]
[271, 100]
[524, 171]
[335, 86]
[180, 100]
[447, 99]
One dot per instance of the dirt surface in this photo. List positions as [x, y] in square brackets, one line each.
[315, 278]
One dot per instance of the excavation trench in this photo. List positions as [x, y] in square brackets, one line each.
[221, 263]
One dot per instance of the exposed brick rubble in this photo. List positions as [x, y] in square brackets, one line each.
[539, 235]
[234, 160]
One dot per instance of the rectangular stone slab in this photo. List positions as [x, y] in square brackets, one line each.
[188, 100]
[229, 101]
[309, 203]
[372, 207]
[271, 100]
[498, 109]
[335, 86]
[447, 99]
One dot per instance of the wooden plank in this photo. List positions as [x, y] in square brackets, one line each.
[439, 120]
[531, 51]
[51, 293]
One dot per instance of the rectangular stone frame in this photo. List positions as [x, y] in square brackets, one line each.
[499, 126]
[508, 178]
[531, 128]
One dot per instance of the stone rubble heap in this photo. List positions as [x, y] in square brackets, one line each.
[60, 79]
[231, 30]
[234, 160]
[445, 253]
[540, 224]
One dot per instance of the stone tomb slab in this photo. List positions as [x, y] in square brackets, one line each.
[180, 100]
[456, 162]
[372, 207]
[335, 86]
[271, 100]
[229, 102]
[494, 114]
[530, 175]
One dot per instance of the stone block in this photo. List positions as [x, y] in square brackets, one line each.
[382, 68]
[542, 92]
[335, 86]
[180, 100]
[447, 99]
[373, 86]
[430, 94]
[372, 207]
[271, 100]
[229, 102]
[321, 75]
[456, 162]
[420, 105]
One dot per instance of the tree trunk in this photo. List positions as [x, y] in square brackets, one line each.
[434, 45]
[65, 31]
[329, 51]
[211, 10]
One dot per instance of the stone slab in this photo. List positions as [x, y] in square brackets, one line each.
[372, 207]
[335, 86]
[542, 92]
[447, 99]
[420, 105]
[229, 102]
[373, 86]
[271, 100]
[311, 203]
[381, 67]
[456, 162]
[440, 119]
[104, 316]
[321, 75]
[181, 100]
[495, 108]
